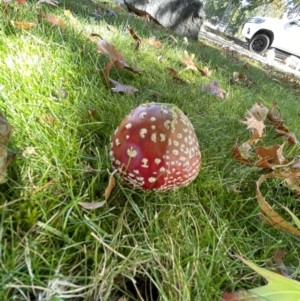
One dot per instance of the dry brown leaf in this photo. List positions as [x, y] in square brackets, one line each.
[269, 215]
[236, 154]
[23, 25]
[270, 157]
[109, 188]
[175, 76]
[214, 89]
[205, 72]
[280, 266]
[122, 88]
[111, 185]
[275, 117]
[111, 51]
[116, 56]
[135, 37]
[253, 123]
[244, 150]
[92, 112]
[152, 41]
[189, 62]
[45, 118]
[255, 137]
[291, 137]
[241, 78]
[259, 111]
[52, 19]
[237, 76]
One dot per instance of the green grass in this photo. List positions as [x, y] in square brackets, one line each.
[179, 245]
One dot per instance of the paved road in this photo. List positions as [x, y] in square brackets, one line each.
[238, 46]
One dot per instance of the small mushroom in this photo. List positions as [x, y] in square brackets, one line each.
[155, 148]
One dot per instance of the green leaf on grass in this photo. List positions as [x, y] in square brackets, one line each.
[279, 288]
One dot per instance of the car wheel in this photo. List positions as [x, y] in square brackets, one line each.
[259, 43]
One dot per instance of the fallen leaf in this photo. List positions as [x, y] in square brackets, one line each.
[275, 117]
[270, 216]
[215, 89]
[255, 137]
[291, 137]
[279, 288]
[116, 56]
[30, 150]
[122, 88]
[109, 188]
[52, 19]
[111, 185]
[280, 266]
[175, 76]
[23, 25]
[91, 206]
[92, 112]
[237, 76]
[189, 62]
[45, 118]
[270, 157]
[205, 72]
[239, 156]
[110, 50]
[253, 123]
[259, 111]
[152, 41]
[135, 37]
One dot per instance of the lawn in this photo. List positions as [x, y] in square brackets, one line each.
[175, 245]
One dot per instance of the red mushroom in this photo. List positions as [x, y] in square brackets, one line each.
[155, 147]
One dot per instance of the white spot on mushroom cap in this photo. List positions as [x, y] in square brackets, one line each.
[162, 137]
[143, 133]
[143, 115]
[117, 141]
[128, 126]
[175, 152]
[151, 179]
[157, 161]
[153, 137]
[131, 152]
[167, 124]
[145, 163]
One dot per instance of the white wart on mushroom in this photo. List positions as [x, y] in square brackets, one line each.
[155, 147]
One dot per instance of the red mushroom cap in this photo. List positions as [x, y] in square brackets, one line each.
[155, 147]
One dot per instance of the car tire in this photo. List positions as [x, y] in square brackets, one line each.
[259, 43]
